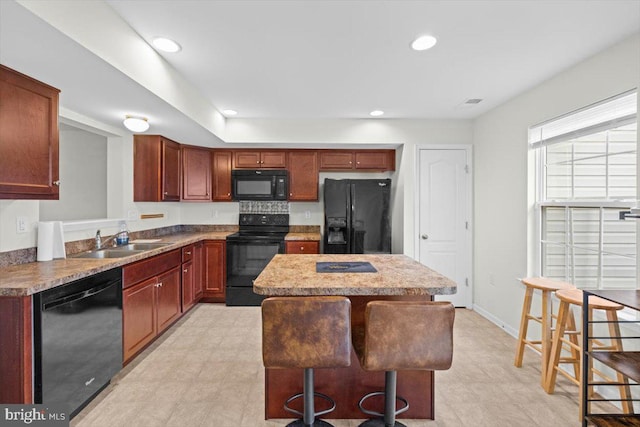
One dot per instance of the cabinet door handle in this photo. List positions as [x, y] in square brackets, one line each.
[424, 236]
[358, 163]
[188, 252]
[302, 248]
[186, 270]
[166, 193]
[56, 183]
[258, 162]
[228, 194]
[160, 284]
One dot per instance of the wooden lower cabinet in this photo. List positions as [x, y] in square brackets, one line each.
[168, 299]
[16, 350]
[302, 247]
[151, 300]
[138, 317]
[189, 275]
[215, 262]
[198, 272]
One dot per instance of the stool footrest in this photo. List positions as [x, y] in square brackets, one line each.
[316, 423]
[405, 408]
[379, 422]
[316, 414]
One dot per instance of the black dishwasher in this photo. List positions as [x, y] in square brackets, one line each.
[77, 340]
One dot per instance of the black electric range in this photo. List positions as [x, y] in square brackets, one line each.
[260, 237]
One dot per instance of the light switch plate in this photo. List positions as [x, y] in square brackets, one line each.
[22, 224]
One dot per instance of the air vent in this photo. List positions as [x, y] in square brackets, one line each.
[473, 101]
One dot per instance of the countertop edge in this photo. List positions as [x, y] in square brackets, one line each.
[87, 266]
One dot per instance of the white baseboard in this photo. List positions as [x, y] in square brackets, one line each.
[493, 319]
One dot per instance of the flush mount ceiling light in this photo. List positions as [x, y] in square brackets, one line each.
[136, 124]
[424, 43]
[166, 45]
[229, 112]
[376, 113]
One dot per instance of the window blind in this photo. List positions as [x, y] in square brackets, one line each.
[614, 112]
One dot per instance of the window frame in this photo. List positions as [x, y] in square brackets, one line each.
[539, 147]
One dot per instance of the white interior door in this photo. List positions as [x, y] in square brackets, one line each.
[444, 235]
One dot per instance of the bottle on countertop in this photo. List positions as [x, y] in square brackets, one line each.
[123, 235]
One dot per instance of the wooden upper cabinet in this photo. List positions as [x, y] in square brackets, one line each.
[196, 173]
[29, 144]
[364, 160]
[259, 159]
[303, 175]
[336, 160]
[156, 169]
[383, 160]
[222, 176]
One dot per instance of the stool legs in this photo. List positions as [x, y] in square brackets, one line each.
[545, 335]
[524, 325]
[309, 414]
[556, 348]
[390, 397]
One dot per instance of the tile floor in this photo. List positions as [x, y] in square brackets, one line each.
[207, 371]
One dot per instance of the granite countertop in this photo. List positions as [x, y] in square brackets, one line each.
[303, 236]
[30, 278]
[396, 275]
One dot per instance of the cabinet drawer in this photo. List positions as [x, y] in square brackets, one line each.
[302, 247]
[144, 269]
[187, 253]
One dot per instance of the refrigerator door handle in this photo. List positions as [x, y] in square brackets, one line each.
[350, 215]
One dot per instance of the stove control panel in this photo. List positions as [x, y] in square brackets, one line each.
[264, 219]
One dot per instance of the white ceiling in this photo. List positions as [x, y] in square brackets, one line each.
[342, 59]
[322, 59]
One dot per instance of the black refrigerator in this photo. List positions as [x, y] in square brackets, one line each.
[356, 216]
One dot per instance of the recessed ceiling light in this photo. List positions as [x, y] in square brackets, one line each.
[166, 45]
[424, 43]
[376, 113]
[136, 124]
[229, 112]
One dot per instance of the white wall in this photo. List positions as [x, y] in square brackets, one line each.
[503, 173]
[83, 174]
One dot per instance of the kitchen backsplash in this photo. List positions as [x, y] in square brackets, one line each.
[264, 207]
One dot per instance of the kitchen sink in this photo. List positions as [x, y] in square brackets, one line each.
[107, 253]
[120, 251]
[137, 247]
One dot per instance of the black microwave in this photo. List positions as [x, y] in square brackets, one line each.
[259, 184]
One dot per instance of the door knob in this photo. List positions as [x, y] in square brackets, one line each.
[424, 236]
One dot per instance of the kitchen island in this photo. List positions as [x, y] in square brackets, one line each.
[396, 277]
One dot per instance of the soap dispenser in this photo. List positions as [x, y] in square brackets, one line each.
[123, 235]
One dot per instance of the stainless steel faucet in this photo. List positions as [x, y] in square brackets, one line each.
[102, 244]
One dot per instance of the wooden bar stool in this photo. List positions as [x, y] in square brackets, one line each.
[402, 335]
[542, 346]
[565, 327]
[308, 333]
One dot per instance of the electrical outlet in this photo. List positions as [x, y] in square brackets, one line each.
[491, 279]
[215, 213]
[22, 223]
[307, 214]
[132, 215]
